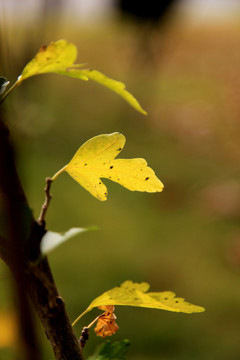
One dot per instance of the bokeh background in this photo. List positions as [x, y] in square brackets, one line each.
[183, 67]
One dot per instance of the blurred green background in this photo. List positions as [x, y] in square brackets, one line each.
[186, 239]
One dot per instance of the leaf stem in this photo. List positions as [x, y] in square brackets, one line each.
[94, 321]
[80, 316]
[58, 173]
[18, 82]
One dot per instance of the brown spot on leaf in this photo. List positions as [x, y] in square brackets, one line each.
[43, 48]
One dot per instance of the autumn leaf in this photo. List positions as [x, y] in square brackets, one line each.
[135, 294]
[95, 159]
[59, 57]
[56, 58]
[106, 324]
[114, 85]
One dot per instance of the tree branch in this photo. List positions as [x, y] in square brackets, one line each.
[14, 201]
[20, 251]
[51, 310]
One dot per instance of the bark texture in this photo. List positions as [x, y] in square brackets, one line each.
[19, 248]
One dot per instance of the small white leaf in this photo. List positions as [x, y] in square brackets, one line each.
[51, 239]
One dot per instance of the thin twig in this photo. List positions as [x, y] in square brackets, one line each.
[45, 205]
[95, 320]
[85, 332]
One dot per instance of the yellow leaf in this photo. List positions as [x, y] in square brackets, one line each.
[54, 58]
[167, 300]
[135, 294]
[114, 85]
[59, 57]
[95, 159]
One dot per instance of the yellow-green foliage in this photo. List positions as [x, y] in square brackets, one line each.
[135, 294]
[95, 159]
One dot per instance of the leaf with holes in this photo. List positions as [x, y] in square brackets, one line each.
[95, 160]
[135, 294]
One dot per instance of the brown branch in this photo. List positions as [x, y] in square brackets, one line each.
[20, 250]
[14, 202]
[52, 313]
[84, 336]
[45, 205]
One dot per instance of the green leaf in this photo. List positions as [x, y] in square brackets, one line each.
[135, 294]
[51, 239]
[59, 57]
[3, 84]
[111, 351]
[95, 159]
